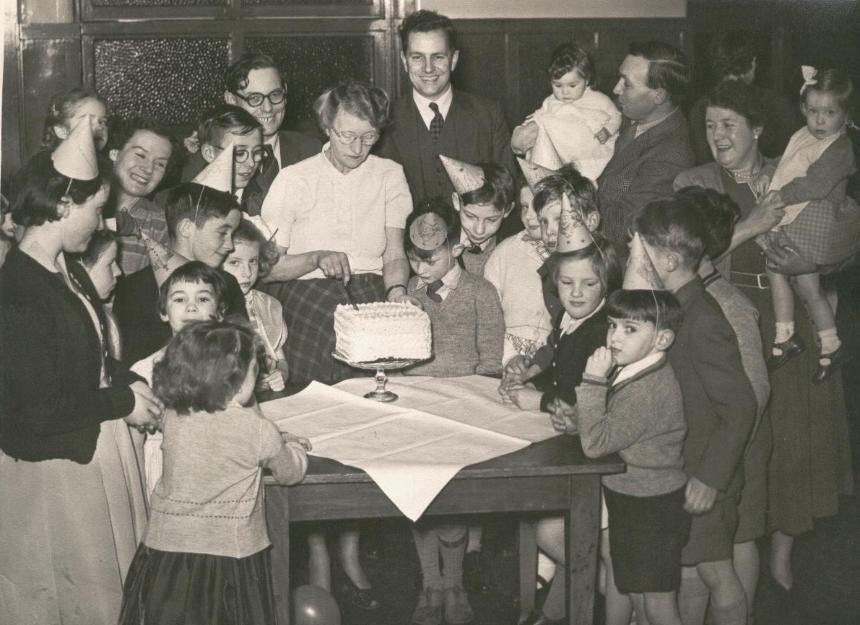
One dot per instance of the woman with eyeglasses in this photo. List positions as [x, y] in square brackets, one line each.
[338, 218]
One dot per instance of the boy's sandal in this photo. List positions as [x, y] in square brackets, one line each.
[832, 362]
[457, 608]
[429, 608]
[788, 349]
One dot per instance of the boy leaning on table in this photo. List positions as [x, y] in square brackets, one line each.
[468, 338]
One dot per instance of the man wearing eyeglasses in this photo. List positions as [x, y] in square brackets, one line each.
[436, 118]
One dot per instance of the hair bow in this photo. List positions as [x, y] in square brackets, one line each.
[809, 73]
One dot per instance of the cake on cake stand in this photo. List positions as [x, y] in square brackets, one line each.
[380, 393]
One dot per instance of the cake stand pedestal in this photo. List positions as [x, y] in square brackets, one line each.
[380, 393]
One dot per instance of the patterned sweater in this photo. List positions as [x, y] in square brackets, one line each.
[468, 329]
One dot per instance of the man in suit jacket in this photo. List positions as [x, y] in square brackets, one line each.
[254, 83]
[200, 223]
[439, 119]
[653, 146]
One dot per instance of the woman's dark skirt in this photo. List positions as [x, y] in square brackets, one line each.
[167, 588]
[309, 314]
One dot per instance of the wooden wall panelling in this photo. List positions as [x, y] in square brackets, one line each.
[108, 10]
[49, 62]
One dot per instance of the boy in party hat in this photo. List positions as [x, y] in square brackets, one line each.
[200, 223]
[719, 406]
[483, 196]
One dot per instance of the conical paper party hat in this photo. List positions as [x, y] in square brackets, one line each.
[75, 157]
[163, 261]
[640, 272]
[572, 232]
[218, 174]
[464, 176]
[533, 172]
[428, 232]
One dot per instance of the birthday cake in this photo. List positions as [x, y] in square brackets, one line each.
[382, 331]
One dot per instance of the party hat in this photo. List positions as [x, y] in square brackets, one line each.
[75, 157]
[464, 176]
[163, 260]
[533, 172]
[218, 174]
[428, 232]
[640, 272]
[573, 234]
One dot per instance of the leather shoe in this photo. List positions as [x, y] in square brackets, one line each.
[790, 348]
[834, 361]
[361, 598]
[474, 576]
[457, 608]
[429, 608]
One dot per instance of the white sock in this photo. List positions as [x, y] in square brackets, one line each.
[829, 341]
[784, 331]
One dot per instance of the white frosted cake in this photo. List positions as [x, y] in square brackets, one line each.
[382, 331]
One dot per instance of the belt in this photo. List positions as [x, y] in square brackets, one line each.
[751, 280]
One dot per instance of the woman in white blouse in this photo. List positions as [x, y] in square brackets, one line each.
[338, 218]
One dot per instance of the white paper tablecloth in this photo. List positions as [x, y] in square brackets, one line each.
[410, 453]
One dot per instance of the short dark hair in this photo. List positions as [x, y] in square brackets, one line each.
[658, 307]
[358, 98]
[743, 99]
[61, 108]
[604, 258]
[269, 255]
[718, 212]
[498, 188]
[580, 191]
[100, 241]
[204, 366]
[195, 272]
[236, 77]
[669, 224]
[732, 53]
[122, 131]
[568, 57]
[224, 118]
[837, 82]
[196, 202]
[667, 67]
[42, 187]
[445, 211]
[425, 21]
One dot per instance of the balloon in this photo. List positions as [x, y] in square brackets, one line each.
[313, 605]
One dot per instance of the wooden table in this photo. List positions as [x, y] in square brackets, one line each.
[553, 475]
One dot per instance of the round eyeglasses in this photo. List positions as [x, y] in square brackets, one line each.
[241, 155]
[348, 138]
[256, 99]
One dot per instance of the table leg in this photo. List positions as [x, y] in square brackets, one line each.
[278, 517]
[528, 566]
[582, 529]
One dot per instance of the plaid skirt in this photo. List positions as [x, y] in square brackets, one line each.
[824, 233]
[309, 314]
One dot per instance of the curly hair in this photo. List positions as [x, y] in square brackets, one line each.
[571, 56]
[247, 232]
[743, 99]
[236, 77]
[425, 21]
[204, 366]
[358, 98]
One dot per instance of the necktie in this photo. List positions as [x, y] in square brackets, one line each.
[437, 122]
[433, 290]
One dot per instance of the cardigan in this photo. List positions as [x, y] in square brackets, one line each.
[641, 170]
[641, 418]
[468, 329]
[135, 307]
[51, 405]
[719, 402]
[475, 131]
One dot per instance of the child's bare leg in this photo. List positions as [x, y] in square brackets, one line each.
[728, 602]
[661, 608]
[746, 563]
[550, 538]
[693, 597]
[320, 563]
[783, 307]
[820, 310]
[619, 606]
[780, 559]
[349, 559]
[427, 546]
